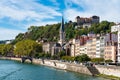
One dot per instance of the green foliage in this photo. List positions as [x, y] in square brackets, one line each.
[5, 49]
[97, 60]
[54, 57]
[67, 58]
[27, 48]
[43, 55]
[51, 32]
[108, 61]
[82, 58]
[61, 54]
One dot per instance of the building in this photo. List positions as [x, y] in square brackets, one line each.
[111, 51]
[111, 37]
[115, 28]
[47, 47]
[118, 55]
[56, 49]
[75, 47]
[73, 50]
[83, 40]
[100, 45]
[60, 45]
[91, 47]
[62, 33]
[83, 49]
[86, 22]
[101, 40]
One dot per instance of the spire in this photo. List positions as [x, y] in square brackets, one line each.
[62, 25]
[62, 33]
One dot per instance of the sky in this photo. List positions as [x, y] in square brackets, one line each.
[16, 16]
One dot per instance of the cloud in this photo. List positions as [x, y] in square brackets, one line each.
[54, 2]
[19, 10]
[107, 10]
[7, 34]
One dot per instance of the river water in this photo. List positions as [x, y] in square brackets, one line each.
[12, 70]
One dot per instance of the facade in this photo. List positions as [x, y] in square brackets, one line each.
[111, 37]
[59, 46]
[100, 45]
[111, 51]
[115, 28]
[47, 47]
[72, 50]
[83, 49]
[118, 55]
[91, 48]
[75, 47]
[83, 40]
[56, 49]
[86, 22]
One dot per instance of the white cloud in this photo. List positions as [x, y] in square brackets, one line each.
[54, 2]
[106, 9]
[20, 10]
[7, 34]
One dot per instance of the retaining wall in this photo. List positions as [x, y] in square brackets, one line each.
[109, 70]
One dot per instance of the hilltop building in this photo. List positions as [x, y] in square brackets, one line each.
[115, 28]
[86, 22]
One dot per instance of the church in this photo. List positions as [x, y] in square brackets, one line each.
[61, 44]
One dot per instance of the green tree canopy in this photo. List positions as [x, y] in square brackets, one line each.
[97, 60]
[27, 48]
[82, 58]
[5, 49]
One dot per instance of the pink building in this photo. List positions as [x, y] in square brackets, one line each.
[110, 52]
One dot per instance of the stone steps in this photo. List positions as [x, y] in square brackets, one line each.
[93, 70]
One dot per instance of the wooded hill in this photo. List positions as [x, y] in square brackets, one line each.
[51, 32]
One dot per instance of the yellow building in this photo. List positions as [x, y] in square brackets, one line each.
[110, 51]
[91, 48]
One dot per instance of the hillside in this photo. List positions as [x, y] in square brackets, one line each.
[51, 32]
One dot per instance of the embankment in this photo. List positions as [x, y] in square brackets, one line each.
[98, 69]
[109, 70]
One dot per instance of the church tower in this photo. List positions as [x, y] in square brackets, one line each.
[62, 33]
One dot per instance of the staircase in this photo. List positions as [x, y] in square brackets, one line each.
[93, 70]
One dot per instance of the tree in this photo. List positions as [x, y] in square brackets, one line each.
[67, 58]
[5, 49]
[27, 48]
[61, 53]
[82, 58]
[108, 61]
[97, 60]
[1, 48]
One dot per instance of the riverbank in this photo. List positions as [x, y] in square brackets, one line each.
[98, 69]
[57, 64]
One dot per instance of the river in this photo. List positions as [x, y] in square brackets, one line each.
[13, 70]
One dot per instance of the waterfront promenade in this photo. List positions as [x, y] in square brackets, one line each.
[93, 70]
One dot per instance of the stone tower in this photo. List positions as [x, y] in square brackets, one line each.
[62, 33]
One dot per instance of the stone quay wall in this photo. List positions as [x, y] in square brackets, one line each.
[109, 70]
[64, 65]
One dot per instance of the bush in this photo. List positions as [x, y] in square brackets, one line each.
[97, 60]
[82, 58]
[67, 58]
[108, 61]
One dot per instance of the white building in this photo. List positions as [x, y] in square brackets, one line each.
[100, 44]
[118, 55]
[83, 49]
[115, 28]
[75, 47]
